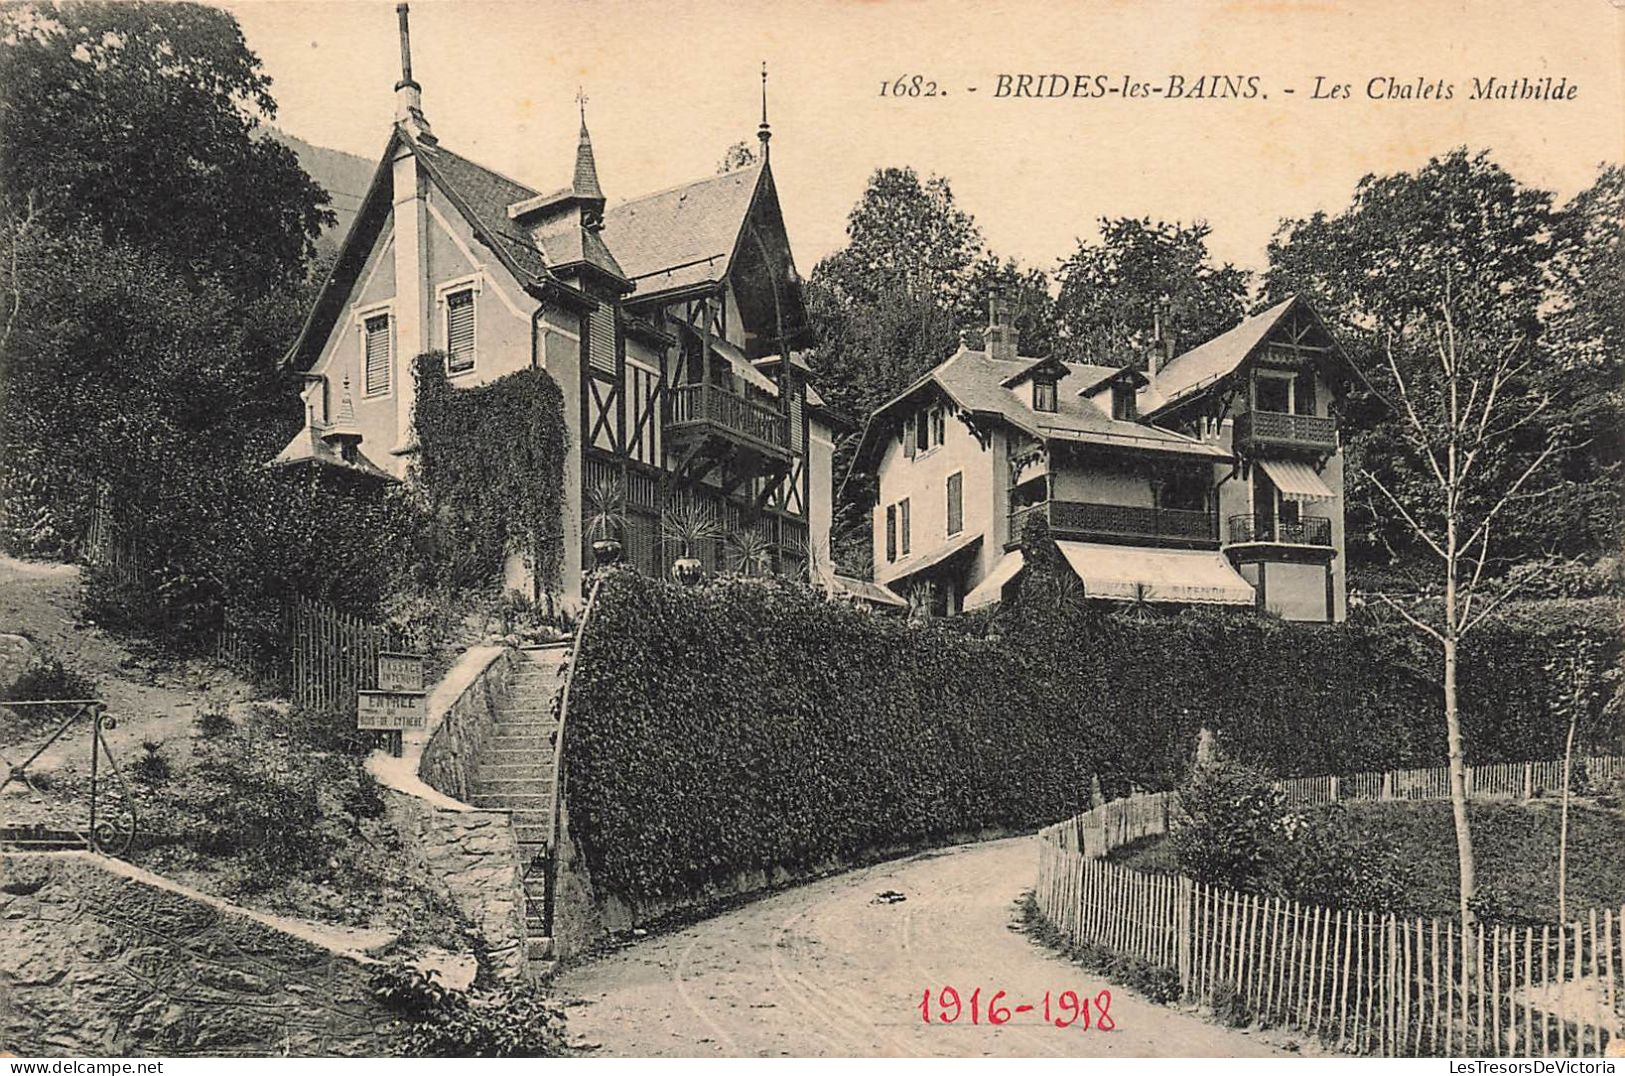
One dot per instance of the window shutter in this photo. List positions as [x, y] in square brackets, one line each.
[601, 339]
[377, 355]
[891, 532]
[903, 511]
[460, 331]
[956, 503]
[908, 438]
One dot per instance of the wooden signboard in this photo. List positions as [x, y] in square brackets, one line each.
[391, 711]
[400, 672]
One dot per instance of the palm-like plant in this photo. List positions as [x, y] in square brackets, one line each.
[748, 551]
[606, 503]
[690, 524]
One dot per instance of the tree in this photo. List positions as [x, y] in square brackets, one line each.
[1462, 397]
[1141, 274]
[1377, 270]
[739, 155]
[143, 122]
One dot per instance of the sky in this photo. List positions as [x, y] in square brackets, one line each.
[670, 85]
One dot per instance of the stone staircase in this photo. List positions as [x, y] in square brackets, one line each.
[515, 774]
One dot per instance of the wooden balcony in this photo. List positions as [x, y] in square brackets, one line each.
[1306, 530]
[721, 417]
[1123, 524]
[1263, 432]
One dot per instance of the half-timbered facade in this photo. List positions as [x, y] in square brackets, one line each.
[673, 323]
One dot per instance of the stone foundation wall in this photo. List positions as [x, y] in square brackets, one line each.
[461, 712]
[101, 958]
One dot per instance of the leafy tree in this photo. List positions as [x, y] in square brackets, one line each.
[1458, 415]
[1115, 292]
[912, 282]
[739, 155]
[142, 122]
[1379, 269]
[1231, 814]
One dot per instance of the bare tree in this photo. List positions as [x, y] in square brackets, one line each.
[1464, 401]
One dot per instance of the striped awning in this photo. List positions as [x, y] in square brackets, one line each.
[1297, 481]
[991, 589]
[1134, 573]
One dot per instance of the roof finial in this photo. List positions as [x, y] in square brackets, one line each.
[408, 94]
[764, 132]
[585, 182]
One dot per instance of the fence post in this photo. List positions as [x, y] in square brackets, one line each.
[1334, 788]
[1528, 780]
[1387, 790]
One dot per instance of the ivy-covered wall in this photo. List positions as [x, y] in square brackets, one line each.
[748, 725]
[491, 466]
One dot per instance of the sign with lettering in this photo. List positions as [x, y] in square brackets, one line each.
[391, 711]
[400, 672]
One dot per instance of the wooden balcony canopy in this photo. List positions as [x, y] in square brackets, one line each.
[1297, 481]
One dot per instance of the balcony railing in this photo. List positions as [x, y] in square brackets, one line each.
[1272, 429]
[694, 406]
[1306, 530]
[1121, 523]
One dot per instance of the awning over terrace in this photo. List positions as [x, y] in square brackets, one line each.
[1130, 573]
[991, 589]
[1297, 481]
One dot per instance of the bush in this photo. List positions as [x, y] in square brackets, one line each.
[50, 679]
[153, 766]
[506, 1021]
[1231, 814]
[1325, 859]
[747, 724]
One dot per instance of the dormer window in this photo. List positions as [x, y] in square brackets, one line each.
[1044, 394]
[1123, 407]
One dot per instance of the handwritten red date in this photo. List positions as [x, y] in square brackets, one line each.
[1068, 1009]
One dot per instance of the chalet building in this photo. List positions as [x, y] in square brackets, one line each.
[672, 322]
[1211, 477]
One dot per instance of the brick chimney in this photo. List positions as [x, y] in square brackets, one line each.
[1003, 339]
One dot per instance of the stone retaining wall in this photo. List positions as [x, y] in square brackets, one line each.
[471, 853]
[98, 957]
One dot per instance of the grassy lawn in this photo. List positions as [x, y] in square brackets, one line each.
[1516, 845]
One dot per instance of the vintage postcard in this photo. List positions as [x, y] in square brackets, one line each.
[861, 528]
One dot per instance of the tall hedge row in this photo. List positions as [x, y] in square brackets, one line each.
[750, 724]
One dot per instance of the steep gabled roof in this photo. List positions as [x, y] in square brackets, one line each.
[483, 196]
[976, 383]
[1206, 363]
[682, 236]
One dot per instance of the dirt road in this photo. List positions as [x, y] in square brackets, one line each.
[833, 969]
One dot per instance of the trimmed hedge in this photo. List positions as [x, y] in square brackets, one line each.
[751, 724]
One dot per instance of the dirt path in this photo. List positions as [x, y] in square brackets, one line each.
[826, 969]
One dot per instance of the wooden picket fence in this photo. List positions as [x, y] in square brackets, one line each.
[1518, 780]
[1361, 982]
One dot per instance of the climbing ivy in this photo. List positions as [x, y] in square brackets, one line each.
[490, 466]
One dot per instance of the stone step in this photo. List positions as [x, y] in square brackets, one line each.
[514, 801]
[533, 768]
[513, 786]
[541, 730]
[530, 752]
[535, 835]
[518, 742]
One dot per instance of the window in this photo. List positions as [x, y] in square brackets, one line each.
[1304, 393]
[922, 431]
[460, 331]
[1044, 395]
[1123, 403]
[956, 502]
[902, 512]
[1273, 394]
[938, 425]
[908, 437]
[891, 532]
[375, 331]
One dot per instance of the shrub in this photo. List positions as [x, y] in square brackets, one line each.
[153, 765]
[1231, 813]
[50, 679]
[1325, 859]
[504, 1021]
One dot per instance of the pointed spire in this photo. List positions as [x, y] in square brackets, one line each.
[343, 426]
[585, 183]
[764, 132]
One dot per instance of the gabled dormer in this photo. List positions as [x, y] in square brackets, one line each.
[1040, 382]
